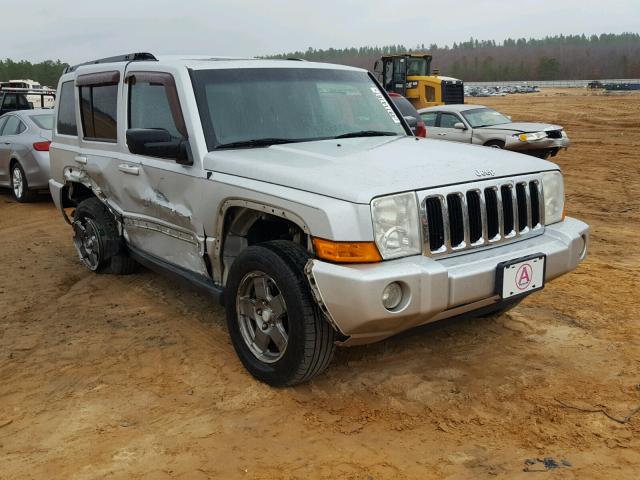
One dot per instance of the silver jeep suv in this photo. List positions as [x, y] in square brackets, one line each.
[294, 193]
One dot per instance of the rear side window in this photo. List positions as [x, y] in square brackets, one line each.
[429, 118]
[13, 126]
[67, 111]
[98, 108]
[10, 101]
[45, 122]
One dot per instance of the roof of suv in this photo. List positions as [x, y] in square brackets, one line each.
[206, 62]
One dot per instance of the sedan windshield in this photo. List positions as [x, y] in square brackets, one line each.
[257, 107]
[484, 117]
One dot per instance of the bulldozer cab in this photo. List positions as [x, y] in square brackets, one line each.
[393, 70]
[410, 75]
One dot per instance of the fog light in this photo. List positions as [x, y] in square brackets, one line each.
[392, 296]
[583, 246]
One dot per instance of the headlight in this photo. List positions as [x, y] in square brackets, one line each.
[528, 137]
[396, 226]
[553, 189]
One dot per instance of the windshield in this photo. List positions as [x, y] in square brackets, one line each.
[43, 121]
[417, 67]
[484, 117]
[239, 106]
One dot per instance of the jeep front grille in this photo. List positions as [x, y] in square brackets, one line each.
[481, 214]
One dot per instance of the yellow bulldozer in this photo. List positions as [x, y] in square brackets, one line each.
[409, 74]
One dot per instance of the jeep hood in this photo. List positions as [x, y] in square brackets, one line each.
[359, 169]
[522, 127]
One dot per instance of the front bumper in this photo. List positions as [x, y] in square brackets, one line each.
[434, 288]
[516, 145]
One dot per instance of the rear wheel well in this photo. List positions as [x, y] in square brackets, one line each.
[73, 193]
[244, 227]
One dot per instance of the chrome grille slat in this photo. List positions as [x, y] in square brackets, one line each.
[472, 202]
[445, 223]
[465, 221]
[516, 212]
[483, 217]
[527, 196]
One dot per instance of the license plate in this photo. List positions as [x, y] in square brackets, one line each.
[521, 275]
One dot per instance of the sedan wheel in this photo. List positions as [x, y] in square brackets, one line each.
[262, 317]
[17, 182]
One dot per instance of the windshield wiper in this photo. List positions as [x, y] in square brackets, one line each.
[367, 133]
[259, 142]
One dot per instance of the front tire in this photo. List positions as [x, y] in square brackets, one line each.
[97, 240]
[20, 185]
[276, 328]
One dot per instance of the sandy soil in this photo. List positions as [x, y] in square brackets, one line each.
[134, 377]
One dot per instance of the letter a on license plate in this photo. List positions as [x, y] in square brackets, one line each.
[520, 276]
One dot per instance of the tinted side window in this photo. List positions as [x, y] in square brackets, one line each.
[2, 122]
[12, 127]
[23, 103]
[98, 108]
[67, 111]
[149, 108]
[10, 101]
[429, 118]
[405, 107]
[448, 120]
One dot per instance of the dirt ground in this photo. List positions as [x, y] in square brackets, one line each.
[134, 377]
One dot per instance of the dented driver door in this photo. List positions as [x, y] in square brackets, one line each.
[159, 220]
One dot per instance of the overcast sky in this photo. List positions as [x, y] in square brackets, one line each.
[79, 30]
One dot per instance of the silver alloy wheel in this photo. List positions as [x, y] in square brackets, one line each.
[87, 242]
[17, 182]
[262, 317]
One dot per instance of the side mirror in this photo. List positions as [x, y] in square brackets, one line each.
[157, 142]
[509, 117]
[459, 126]
[377, 67]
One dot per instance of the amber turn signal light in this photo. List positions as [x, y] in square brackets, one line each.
[346, 252]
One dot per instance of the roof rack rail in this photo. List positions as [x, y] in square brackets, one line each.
[27, 91]
[293, 59]
[129, 57]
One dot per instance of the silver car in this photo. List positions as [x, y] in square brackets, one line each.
[25, 137]
[314, 229]
[481, 125]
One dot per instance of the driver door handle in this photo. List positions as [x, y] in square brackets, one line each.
[442, 134]
[129, 169]
[81, 159]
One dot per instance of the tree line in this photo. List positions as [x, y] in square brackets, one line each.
[46, 73]
[560, 57]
